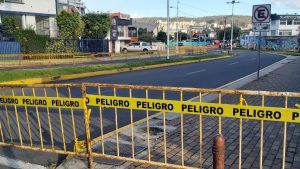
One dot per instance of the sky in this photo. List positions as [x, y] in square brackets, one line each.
[188, 8]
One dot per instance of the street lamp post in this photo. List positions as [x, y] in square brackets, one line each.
[224, 37]
[177, 22]
[231, 39]
[177, 27]
[168, 29]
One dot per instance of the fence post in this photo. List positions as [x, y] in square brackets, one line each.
[219, 152]
[87, 128]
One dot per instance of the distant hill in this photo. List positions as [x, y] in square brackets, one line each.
[239, 20]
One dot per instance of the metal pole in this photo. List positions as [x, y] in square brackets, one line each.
[177, 36]
[219, 152]
[168, 29]
[231, 28]
[259, 56]
[137, 33]
[224, 38]
[231, 41]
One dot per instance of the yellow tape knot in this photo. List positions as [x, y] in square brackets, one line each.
[79, 146]
[243, 102]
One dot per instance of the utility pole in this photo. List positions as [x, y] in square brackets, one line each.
[224, 38]
[137, 33]
[168, 29]
[231, 41]
[177, 22]
[177, 27]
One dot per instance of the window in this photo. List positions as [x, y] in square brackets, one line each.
[145, 44]
[273, 23]
[290, 22]
[132, 32]
[13, 1]
[283, 22]
[121, 31]
[273, 32]
[136, 44]
[42, 25]
[61, 7]
[285, 33]
[296, 22]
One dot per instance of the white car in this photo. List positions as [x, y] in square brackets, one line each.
[138, 47]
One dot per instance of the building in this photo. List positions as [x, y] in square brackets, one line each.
[284, 25]
[74, 5]
[119, 34]
[183, 26]
[38, 15]
[151, 27]
[284, 34]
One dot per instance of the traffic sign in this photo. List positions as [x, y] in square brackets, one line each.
[261, 27]
[261, 13]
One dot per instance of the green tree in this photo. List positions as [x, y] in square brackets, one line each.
[11, 25]
[30, 42]
[96, 25]
[236, 33]
[181, 36]
[70, 25]
[162, 36]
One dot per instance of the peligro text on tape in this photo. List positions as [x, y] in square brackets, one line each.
[187, 107]
[76, 103]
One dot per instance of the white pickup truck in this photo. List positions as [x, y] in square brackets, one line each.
[138, 47]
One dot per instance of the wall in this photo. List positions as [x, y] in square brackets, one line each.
[9, 48]
[46, 7]
[53, 27]
[271, 42]
[282, 43]
[29, 22]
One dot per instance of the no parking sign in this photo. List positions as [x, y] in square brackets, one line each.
[261, 13]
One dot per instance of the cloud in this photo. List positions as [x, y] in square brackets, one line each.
[293, 4]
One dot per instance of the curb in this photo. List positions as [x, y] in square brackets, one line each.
[104, 72]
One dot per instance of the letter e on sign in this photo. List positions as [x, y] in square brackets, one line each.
[261, 13]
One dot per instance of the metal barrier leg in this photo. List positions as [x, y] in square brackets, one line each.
[219, 152]
[87, 114]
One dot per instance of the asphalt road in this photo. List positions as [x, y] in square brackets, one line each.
[210, 74]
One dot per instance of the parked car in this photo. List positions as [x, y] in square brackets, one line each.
[138, 47]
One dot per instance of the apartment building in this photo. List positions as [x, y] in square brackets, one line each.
[285, 25]
[74, 5]
[39, 15]
[120, 31]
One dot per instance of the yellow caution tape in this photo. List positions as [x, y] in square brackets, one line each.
[206, 109]
[76, 103]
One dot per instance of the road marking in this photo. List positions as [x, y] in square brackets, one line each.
[234, 63]
[13, 163]
[199, 71]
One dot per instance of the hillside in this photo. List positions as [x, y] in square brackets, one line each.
[240, 20]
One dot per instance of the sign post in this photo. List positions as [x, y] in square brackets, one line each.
[261, 19]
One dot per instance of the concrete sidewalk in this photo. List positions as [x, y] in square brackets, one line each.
[286, 79]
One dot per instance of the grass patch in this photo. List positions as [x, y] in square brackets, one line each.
[11, 75]
[290, 53]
